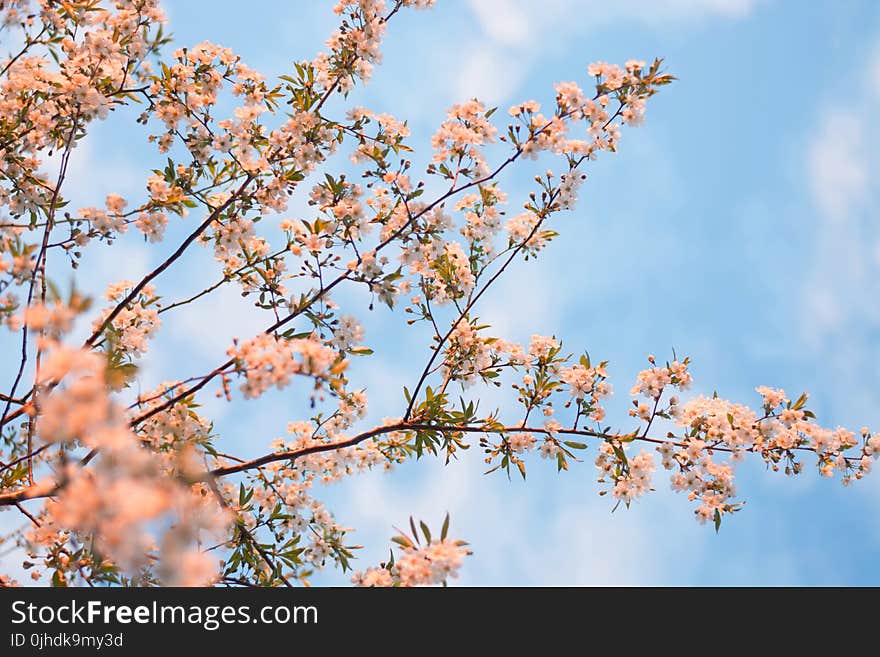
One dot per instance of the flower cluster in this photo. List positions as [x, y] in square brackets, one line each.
[268, 360]
[428, 565]
[460, 137]
[134, 323]
[716, 425]
[80, 408]
[588, 386]
[445, 270]
[468, 355]
[432, 564]
[631, 477]
[116, 505]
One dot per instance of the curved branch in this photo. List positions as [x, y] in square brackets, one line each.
[192, 237]
[292, 455]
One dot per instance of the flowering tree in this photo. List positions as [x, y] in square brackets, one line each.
[118, 487]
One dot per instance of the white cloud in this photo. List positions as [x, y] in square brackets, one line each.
[207, 326]
[494, 65]
[505, 21]
[873, 71]
[663, 11]
[838, 164]
[841, 275]
[515, 30]
[846, 251]
[93, 171]
[522, 23]
[528, 299]
[489, 72]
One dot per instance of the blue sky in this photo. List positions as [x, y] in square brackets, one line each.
[737, 226]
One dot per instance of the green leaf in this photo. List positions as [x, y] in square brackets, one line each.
[561, 464]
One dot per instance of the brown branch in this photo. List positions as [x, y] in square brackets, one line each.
[45, 488]
[226, 278]
[212, 484]
[293, 455]
[192, 237]
[27, 456]
[48, 488]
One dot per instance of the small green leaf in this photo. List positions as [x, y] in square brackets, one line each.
[403, 541]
